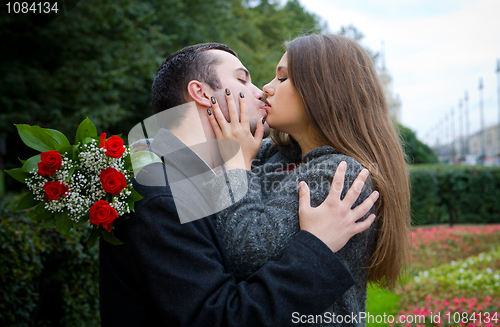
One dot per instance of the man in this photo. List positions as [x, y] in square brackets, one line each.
[169, 273]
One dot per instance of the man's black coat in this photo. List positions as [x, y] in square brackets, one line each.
[172, 274]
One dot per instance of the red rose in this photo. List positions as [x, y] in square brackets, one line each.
[101, 213]
[53, 190]
[112, 180]
[103, 140]
[51, 161]
[114, 146]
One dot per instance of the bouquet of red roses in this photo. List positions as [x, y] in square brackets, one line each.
[73, 184]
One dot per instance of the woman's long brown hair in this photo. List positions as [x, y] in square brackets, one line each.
[344, 100]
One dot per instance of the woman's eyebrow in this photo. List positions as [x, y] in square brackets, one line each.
[280, 68]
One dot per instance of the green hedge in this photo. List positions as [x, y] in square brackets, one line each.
[47, 279]
[460, 194]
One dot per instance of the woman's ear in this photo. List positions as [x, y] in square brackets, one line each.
[197, 91]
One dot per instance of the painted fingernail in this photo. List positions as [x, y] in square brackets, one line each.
[228, 92]
[213, 100]
[365, 172]
[376, 194]
[209, 112]
[264, 120]
[242, 95]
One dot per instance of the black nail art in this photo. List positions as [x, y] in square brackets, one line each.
[264, 120]
[228, 93]
[209, 112]
[213, 100]
[242, 95]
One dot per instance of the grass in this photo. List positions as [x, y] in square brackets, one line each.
[379, 302]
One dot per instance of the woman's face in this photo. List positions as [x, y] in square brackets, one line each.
[286, 112]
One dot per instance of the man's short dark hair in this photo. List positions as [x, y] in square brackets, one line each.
[181, 67]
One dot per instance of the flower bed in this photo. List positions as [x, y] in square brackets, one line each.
[437, 246]
[475, 277]
[462, 286]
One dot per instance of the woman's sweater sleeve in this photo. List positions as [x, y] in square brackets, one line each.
[262, 221]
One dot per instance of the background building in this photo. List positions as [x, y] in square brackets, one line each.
[491, 143]
[393, 100]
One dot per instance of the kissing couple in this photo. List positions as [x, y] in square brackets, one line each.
[284, 232]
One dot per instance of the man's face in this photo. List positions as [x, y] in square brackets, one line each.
[234, 76]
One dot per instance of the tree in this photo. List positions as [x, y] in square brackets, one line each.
[99, 59]
[416, 152]
[96, 61]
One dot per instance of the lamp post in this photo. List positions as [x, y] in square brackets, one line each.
[461, 128]
[446, 135]
[467, 121]
[481, 113]
[452, 132]
[438, 150]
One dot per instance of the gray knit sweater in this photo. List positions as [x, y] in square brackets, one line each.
[262, 222]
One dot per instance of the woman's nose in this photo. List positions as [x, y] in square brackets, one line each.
[268, 89]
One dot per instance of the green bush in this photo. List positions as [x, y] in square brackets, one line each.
[457, 194]
[47, 279]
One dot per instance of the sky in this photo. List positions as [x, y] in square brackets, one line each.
[435, 50]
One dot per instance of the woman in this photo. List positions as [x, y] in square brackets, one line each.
[327, 105]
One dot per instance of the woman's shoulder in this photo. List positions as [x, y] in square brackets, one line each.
[328, 157]
[272, 153]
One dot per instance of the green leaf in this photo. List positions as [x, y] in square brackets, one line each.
[141, 159]
[76, 152]
[31, 163]
[93, 237]
[88, 140]
[51, 222]
[18, 174]
[22, 161]
[128, 163]
[40, 213]
[59, 137]
[67, 150]
[63, 223]
[110, 237]
[86, 129]
[70, 173]
[134, 196]
[83, 220]
[36, 138]
[28, 201]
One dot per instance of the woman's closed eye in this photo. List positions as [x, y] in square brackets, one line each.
[242, 81]
[282, 79]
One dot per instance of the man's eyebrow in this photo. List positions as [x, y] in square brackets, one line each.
[247, 74]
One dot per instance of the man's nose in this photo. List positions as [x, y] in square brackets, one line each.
[258, 93]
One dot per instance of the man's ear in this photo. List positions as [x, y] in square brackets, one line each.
[197, 91]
